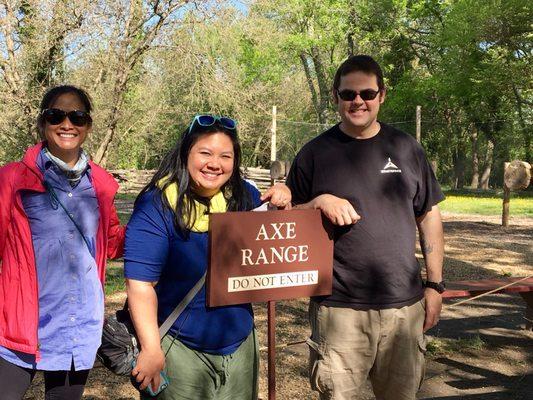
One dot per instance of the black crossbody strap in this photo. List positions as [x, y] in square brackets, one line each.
[165, 326]
[54, 198]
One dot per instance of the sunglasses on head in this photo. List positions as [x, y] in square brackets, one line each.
[55, 116]
[350, 95]
[208, 120]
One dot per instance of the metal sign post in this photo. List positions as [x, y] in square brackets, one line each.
[271, 315]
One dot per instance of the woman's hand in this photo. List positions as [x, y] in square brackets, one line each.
[148, 369]
[278, 195]
[142, 302]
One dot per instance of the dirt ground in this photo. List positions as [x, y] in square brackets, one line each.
[479, 350]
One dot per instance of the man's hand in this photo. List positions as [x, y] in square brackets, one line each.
[278, 195]
[432, 245]
[433, 308]
[338, 211]
[149, 365]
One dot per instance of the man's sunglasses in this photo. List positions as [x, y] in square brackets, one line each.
[55, 116]
[208, 120]
[350, 95]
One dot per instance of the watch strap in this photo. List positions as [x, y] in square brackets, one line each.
[440, 287]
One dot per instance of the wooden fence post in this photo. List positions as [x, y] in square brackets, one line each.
[273, 134]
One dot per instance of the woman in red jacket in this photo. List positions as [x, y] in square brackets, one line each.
[58, 225]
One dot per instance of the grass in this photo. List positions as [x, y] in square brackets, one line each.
[123, 217]
[443, 346]
[464, 201]
[126, 196]
[486, 203]
[114, 278]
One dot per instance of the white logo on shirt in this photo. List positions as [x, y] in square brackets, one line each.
[390, 168]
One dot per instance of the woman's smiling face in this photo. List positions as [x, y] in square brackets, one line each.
[65, 139]
[210, 163]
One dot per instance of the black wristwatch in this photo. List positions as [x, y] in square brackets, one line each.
[440, 287]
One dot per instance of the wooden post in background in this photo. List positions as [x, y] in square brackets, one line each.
[506, 200]
[418, 123]
[273, 144]
[273, 134]
[516, 176]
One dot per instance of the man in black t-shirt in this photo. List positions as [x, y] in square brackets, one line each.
[375, 185]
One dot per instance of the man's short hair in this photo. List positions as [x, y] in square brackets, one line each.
[362, 63]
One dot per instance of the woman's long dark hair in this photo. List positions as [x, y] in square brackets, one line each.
[173, 169]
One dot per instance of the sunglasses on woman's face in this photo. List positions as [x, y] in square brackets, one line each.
[350, 95]
[208, 120]
[55, 116]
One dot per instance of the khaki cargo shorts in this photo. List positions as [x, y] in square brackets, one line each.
[349, 346]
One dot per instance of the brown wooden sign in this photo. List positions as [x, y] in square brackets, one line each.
[271, 255]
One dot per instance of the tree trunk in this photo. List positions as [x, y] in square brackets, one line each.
[526, 129]
[310, 83]
[257, 150]
[100, 157]
[351, 44]
[458, 168]
[323, 87]
[353, 23]
[475, 159]
[484, 183]
[118, 99]
[527, 139]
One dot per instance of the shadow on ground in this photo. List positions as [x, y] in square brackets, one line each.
[500, 369]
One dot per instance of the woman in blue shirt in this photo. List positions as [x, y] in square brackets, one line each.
[210, 353]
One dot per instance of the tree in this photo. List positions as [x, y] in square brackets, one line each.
[32, 55]
[316, 35]
[138, 27]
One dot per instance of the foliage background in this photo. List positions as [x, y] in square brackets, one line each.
[151, 65]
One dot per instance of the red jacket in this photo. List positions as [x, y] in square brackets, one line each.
[19, 299]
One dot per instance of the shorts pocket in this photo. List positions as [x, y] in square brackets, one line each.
[319, 371]
[422, 343]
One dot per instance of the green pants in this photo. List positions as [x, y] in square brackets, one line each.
[194, 375]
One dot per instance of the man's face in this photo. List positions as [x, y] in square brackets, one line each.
[358, 114]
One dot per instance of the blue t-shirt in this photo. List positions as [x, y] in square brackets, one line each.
[155, 251]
